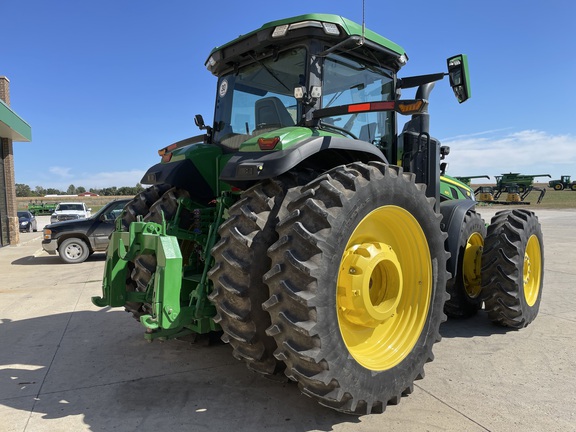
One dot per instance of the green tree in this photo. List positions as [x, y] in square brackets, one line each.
[71, 190]
[80, 189]
[23, 190]
[40, 191]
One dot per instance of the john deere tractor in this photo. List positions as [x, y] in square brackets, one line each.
[563, 183]
[308, 230]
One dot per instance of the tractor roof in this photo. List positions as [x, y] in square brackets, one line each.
[333, 29]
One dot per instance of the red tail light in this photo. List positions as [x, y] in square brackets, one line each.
[268, 143]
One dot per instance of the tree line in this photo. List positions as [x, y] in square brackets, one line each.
[23, 190]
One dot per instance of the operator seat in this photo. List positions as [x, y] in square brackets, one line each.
[270, 112]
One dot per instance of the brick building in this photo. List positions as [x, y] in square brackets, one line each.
[12, 128]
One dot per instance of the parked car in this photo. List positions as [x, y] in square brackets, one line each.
[70, 211]
[27, 221]
[75, 240]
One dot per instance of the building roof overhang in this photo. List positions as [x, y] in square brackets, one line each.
[12, 126]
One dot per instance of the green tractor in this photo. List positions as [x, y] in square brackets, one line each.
[562, 184]
[453, 188]
[308, 230]
[41, 208]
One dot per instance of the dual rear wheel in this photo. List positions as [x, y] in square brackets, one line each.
[340, 281]
[355, 284]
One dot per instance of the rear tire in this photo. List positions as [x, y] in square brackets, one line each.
[513, 268]
[240, 262]
[558, 186]
[357, 286]
[466, 285]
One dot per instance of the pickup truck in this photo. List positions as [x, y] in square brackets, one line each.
[75, 240]
[70, 211]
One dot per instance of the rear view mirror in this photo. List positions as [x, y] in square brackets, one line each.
[459, 77]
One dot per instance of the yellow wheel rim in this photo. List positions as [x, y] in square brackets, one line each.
[472, 265]
[532, 272]
[384, 288]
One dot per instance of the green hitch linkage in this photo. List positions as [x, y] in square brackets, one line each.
[144, 238]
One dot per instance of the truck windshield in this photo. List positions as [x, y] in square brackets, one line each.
[70, 207]
[259, 98]
[346, 81]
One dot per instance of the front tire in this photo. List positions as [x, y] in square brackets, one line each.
[73, 251]
[513, 268]
[357, 286]
[465, 287]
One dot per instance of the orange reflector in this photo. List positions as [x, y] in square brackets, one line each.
[165, 150]
[268, 143]
[410, 108]
[166, 157]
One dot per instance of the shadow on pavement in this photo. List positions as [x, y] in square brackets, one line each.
[477, 325]
[97, 365]
[54, 259]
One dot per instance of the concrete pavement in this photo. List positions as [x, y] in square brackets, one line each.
[66, 365]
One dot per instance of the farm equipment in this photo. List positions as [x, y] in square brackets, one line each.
[451, 188]
[524, 184]
[41, 208]
[468, 180]
[485, 194]
[308, 230]
[563, 184]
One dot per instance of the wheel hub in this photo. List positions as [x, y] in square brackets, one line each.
[472, 265]
[73, 251]
[532, 270]
[384, 287]
[371, 284]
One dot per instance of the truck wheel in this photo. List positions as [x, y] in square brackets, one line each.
[357, 286]
[73, 251]
[573, 187]
[558, 186]
[139, 206]
[513, 268]
[466, 285]
[240, 262]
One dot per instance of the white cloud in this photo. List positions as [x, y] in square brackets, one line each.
[526, 152]
[60, 172]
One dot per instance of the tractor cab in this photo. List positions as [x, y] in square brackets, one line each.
[322, 84]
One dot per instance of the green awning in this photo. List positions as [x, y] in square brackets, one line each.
[12, 126]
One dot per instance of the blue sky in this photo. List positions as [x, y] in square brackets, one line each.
[105, 84]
